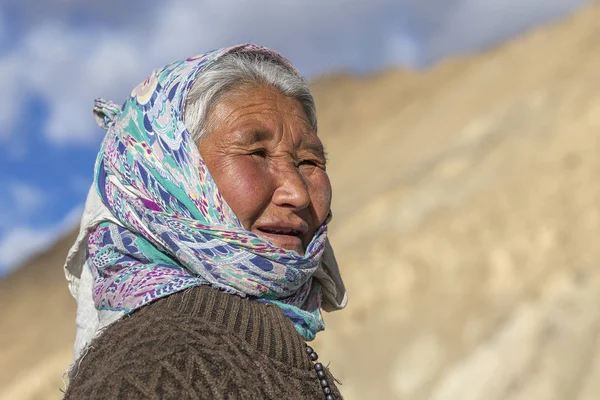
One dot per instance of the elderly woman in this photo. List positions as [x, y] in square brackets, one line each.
[202, 263]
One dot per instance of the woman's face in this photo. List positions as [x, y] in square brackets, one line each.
[269, 165]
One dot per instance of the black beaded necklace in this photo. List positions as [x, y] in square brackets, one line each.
[320, 373]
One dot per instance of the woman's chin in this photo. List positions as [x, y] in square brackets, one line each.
[287, 242]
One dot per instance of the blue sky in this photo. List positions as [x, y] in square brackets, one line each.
[56, 56]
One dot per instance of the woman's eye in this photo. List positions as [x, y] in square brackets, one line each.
[259, 153]
[313, 163]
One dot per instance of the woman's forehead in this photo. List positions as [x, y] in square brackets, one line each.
[260, 115]
[252, 99]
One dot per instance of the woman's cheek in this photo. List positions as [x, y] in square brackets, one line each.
[251, 175]
[246, 190]
[320, 188]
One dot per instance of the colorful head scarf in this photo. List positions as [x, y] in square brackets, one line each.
[175, 230]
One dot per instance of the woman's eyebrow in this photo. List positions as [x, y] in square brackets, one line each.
[252, 137]
[316, 148]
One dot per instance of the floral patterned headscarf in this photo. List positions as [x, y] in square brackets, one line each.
[175, 229]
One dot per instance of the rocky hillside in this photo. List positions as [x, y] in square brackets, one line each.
[466, 219]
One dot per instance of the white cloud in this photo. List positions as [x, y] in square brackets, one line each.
[19, 202]
[26, 198]
[68, 66]
[23, 242]
[474, 24]
[403, 50]
[12, 98]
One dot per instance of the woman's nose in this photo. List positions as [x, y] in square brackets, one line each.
[291, 190]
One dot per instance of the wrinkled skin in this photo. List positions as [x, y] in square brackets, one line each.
[268, 164]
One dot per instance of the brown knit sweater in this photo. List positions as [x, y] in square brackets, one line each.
[199, 344]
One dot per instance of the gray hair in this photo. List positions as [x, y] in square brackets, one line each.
[243, 68]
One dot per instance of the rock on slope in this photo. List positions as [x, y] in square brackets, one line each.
[466, 221]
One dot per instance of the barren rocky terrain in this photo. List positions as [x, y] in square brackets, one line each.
[467, 221]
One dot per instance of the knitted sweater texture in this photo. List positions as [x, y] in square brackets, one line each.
[199, 344]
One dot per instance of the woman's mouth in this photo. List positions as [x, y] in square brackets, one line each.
[281, 231]
[286, 237]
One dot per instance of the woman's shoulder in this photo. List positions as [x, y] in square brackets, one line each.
[200, 342]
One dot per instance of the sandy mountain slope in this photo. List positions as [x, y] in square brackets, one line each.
[467, 216]
[37, 327]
